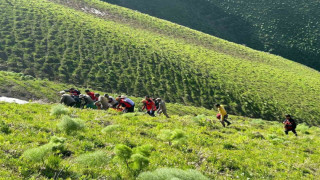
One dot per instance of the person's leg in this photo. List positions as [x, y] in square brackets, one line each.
[226, 120]
[294, 131]
[286, 131]
[152, 113]
[166, 114]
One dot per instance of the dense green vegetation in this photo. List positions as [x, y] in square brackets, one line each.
[289, 28]
[34, 145]
[94, 44]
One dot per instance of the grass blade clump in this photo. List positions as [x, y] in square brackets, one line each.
[111, 128]
[176, 137]
[38, 154]
[69, 124]
[172, 173]
[59, 110]
[4, 128]
[94, 159]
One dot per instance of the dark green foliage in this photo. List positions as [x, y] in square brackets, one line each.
[287, 28]
[5, 128]
[172, 173]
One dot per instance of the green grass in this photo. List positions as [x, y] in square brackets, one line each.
[286, 28]
[132, 53]
[234, 152]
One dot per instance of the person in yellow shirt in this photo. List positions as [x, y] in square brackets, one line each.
[223, 115]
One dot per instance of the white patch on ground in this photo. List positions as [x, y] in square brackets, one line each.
[96, 11]
[12, 100]
[93, 10]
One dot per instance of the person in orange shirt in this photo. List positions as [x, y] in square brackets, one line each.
[223, 115]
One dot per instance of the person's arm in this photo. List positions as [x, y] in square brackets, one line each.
[144, 106]
[62, 100]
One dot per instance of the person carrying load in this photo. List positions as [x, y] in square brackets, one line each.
[87, 101]
[113, 103]
[223, 115]
[126, 103]
[290, 125]
[162, 107]
[91, 94]
[102, 102]
[67, 99]
[149, 105]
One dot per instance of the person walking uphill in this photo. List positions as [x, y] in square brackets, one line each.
[126, 103]
[223, 115]
[87, 101]
[102, 102]
[162, 107]
[91, 94]
[67, 99]
[149, 105]
[290, 125]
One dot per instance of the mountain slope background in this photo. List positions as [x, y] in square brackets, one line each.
[286, 28]
[95, 44]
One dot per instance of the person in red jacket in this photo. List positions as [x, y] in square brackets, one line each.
[91, 94]
[150, 105]
[126, 103]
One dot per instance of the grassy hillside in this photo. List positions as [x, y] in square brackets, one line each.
[286, 28]
[35, 144]
[113, 49]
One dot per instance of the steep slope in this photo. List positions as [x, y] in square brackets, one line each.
[286, 28]
[250, 148]
[95, 44]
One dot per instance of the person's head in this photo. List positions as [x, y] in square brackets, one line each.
[143, 101]
[158, 99]
[288, 116]
[123, 97]
[118, 99]
[217, 105]
[106, 95]
[147, 97]
[71, 89]
[96, 95]
[87, 91]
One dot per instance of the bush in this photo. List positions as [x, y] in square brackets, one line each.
[176, 137]
[59, 110]
[69, 124]
[4, 127]
[111, 128]
[94, 159]
[172, 173]
[38, 154]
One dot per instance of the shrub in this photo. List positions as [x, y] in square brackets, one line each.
[4, 127]
[111, 128]
[94, 159]
[176, 137]
[38, 154]
[59, 110]
[69, 124]
[172, 173]
[229, 146]
[136, 159]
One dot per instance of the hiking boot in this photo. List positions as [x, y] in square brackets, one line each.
[229, 124]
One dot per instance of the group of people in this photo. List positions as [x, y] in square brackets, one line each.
[73, 98]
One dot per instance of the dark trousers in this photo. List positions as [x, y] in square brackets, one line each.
[293, 130]
[151, 113]
[131, 109]
[225, 119]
